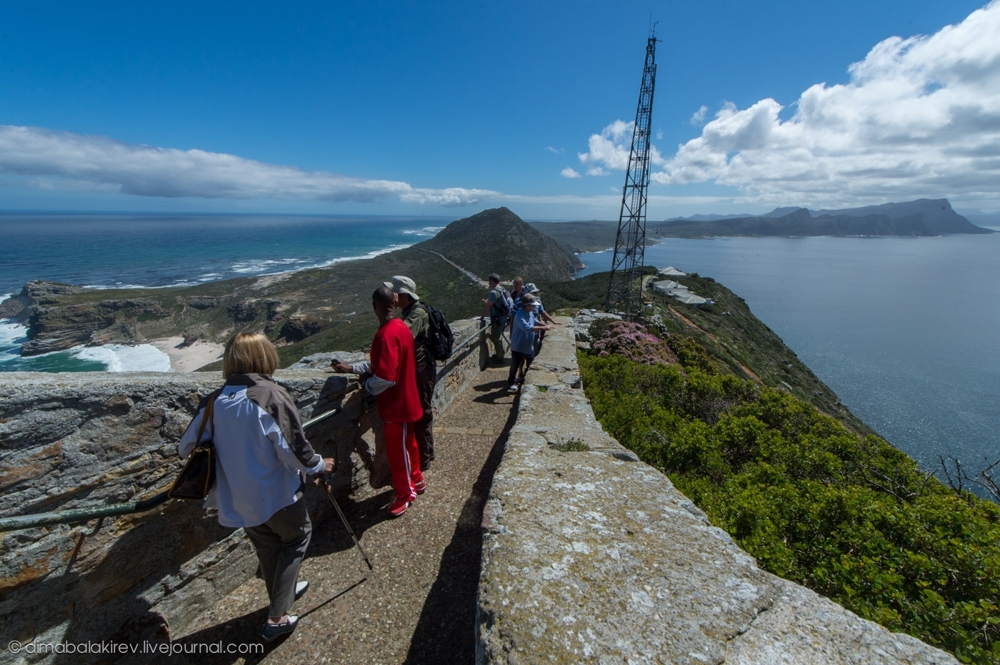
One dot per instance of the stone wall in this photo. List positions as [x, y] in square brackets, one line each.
[82, 440]
[590, 555]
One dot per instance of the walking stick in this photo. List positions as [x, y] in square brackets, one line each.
[343, 518]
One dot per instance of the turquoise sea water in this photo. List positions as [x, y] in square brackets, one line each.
[117, 250]
[906, 331]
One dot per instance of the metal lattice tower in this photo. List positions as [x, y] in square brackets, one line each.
[624, 293]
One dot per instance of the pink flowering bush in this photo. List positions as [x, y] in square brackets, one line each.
[631, 341]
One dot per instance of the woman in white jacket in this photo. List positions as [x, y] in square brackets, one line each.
[262, 458]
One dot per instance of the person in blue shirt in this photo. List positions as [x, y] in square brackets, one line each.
[540, 313]
[522, 340]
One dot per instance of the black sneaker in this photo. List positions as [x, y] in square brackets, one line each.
[273, 631]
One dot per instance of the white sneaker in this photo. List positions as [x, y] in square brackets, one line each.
[513, 388]
[301, 588]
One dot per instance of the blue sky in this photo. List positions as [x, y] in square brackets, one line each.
[449, 108]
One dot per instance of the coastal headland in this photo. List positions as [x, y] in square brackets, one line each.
[925, 217]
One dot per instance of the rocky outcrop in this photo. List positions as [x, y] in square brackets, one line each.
[590, 555]
[58, 328]
[300, 326]
[18, 307]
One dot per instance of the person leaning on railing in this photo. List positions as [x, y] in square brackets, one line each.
[262, 458]
[522, 340]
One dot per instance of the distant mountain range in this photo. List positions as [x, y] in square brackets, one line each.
[925, 217]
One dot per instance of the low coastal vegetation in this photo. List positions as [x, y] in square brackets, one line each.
[817, 499]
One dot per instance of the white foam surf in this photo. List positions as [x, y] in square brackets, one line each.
[428, 231]
[12, 333]
[124, 358]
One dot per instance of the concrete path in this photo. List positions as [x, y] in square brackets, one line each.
[419, 603]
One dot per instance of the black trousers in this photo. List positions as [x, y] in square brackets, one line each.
[519, 364]
[424, 428]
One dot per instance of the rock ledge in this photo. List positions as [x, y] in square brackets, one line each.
[593, 556]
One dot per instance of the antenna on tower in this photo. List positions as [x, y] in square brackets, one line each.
[624, 293]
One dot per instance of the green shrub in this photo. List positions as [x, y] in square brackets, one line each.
[847, 515]
[691, 354]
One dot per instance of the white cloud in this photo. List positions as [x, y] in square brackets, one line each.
[918, 117]
[569, 173]
[65, 160]
[610, 149]
[555, 151]
[699, 116]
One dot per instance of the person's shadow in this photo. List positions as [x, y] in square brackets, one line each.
[330, 535]
[492, 392]
[446, 630]
[241, 632]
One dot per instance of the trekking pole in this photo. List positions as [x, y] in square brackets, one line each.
[343, 518]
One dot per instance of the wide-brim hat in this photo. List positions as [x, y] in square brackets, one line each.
[401, 284]
[530, 288]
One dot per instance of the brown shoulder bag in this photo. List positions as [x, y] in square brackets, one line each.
[198, 476]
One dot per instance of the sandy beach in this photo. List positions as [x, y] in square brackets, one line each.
[188, 359]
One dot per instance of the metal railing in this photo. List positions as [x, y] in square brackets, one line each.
[99, 512]
[468, 340]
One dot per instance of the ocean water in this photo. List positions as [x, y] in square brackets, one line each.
[103, 251]
[906, 331]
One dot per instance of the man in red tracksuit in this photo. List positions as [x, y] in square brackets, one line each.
[393, 381]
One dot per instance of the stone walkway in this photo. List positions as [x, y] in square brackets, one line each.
[418, 605]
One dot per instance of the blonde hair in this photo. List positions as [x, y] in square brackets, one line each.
[249, 353]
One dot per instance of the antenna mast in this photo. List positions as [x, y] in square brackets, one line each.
[630, 244]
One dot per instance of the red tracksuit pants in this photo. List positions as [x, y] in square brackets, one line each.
[404, 459]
